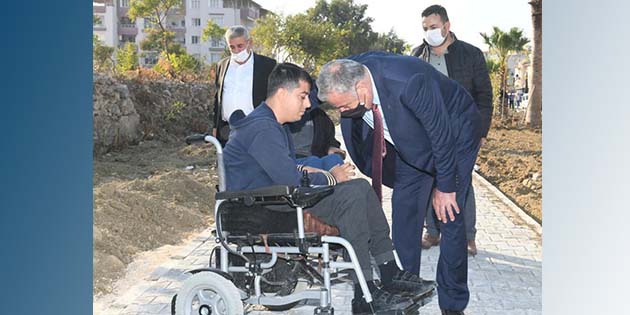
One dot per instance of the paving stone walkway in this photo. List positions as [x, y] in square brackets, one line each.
[504, 277]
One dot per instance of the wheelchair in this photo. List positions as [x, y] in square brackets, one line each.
[266, 256]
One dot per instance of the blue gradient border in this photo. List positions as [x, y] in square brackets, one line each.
[46, 158]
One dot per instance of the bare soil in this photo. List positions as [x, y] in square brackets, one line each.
[147, 196]
[160, 193]
[511, 159]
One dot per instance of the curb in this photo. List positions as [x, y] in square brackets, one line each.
[529, 221]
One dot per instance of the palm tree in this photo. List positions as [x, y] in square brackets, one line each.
[533, 117]
[502, 44]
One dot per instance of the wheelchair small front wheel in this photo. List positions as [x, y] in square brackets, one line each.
[207, 293]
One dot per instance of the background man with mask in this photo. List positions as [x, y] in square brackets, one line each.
[465, 64]
[241, 80]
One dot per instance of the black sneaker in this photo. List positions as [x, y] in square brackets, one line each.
[410, 285]
[384, 302]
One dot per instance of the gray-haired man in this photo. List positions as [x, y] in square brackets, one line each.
[241, 80]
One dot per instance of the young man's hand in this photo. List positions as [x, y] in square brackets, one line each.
[343, 172]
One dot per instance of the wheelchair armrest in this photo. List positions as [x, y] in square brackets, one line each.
[306, 197]
[276, 191]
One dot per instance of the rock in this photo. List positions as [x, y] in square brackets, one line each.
[115, 120]
[97, 235]
[112, 262]
[126, 112]
[527, 182]
[536, 176]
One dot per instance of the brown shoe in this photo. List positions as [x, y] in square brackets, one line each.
[472, 248]
[429, 241]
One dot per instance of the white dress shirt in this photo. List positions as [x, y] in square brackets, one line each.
[237, 88]
[369, 118]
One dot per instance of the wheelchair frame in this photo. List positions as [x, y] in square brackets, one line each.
[182, 303]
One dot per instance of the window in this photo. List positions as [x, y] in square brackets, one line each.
[214, 43]
[147, 24]
[194, 40]
[217, 19]
[194, 4]
[183, 23]
[124, 3]
[215, 57]
[196, 22]
[127, 39]
[213, 3]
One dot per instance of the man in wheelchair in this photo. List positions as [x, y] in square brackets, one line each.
[259, 154]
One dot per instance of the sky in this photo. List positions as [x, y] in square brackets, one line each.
[468, 18]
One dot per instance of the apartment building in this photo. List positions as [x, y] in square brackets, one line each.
[114, 28]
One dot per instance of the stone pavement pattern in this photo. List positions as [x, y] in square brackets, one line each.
[504, 277]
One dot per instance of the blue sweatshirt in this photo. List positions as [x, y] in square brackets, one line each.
[259, 153]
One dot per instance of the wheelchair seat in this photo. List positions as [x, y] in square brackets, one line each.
[249, 217]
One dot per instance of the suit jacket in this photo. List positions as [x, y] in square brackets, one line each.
[262, 68]
[323, 126]
[432, 120]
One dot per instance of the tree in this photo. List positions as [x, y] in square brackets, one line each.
[155, 12]
[101, 56]
[212, 31]
[346, 15]
[325, 32]
[495, 80]
[533, 117]
[390, 42]
[127, 58]
[502, 44]
[267, 43]
[301, 40]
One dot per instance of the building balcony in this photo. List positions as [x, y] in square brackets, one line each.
[127, 29]
[176, 28]
[98, 9]
[249, 14]
[99, 28]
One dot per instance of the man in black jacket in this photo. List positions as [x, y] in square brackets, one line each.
[465, 64]
[241, 80]
[314, 137]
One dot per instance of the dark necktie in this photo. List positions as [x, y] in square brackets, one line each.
[378, 152]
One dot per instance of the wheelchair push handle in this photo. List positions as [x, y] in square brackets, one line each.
[196, 138]
[206, 138]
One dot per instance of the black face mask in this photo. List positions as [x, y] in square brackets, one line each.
[356, 112]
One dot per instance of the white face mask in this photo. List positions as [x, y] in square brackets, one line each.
[434, 37]
[241, 56]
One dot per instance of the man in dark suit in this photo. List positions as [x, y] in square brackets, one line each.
[405, 121]
[465, 64]
[241, 80]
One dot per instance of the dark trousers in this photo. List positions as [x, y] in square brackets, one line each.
[471, 217]
[412, 190]
[355, 209]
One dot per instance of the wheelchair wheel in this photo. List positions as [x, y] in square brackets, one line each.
[208, 293]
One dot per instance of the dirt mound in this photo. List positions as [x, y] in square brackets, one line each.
[511, 159]
[147, 196]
